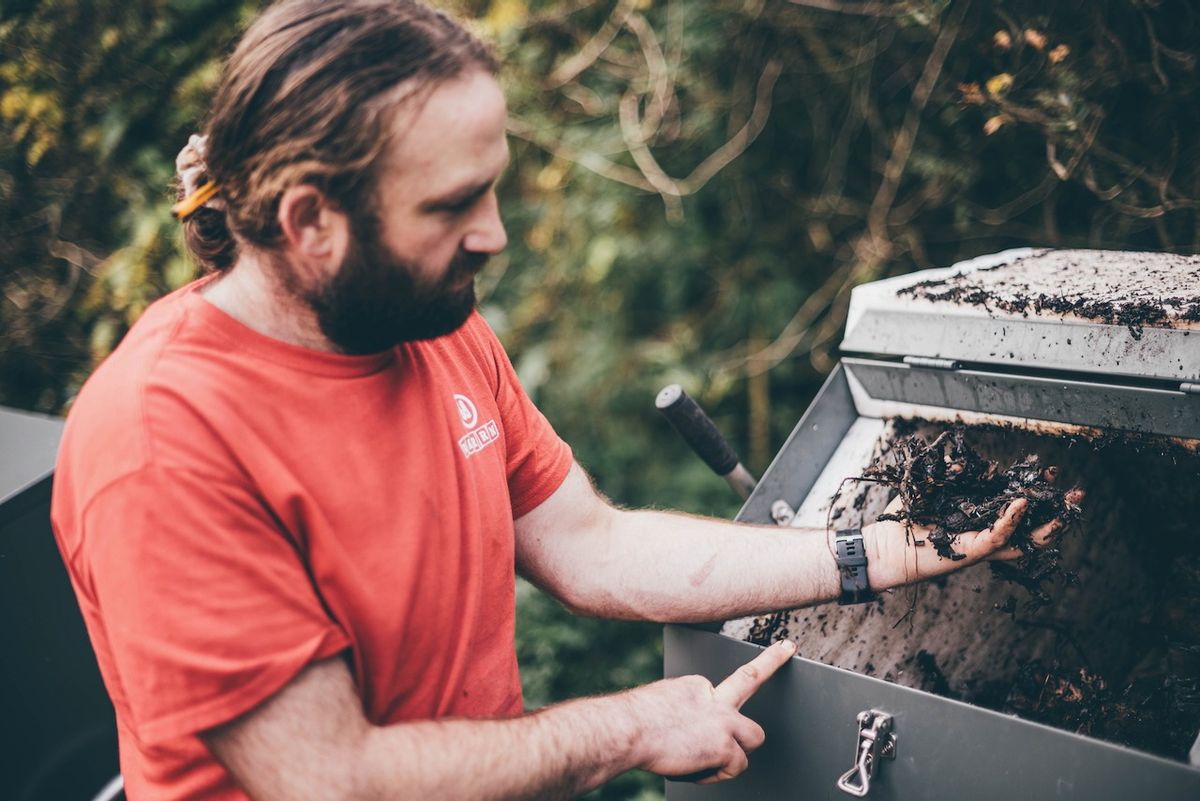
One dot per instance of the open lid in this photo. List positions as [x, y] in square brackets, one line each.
[1093, 311]
[28, 448]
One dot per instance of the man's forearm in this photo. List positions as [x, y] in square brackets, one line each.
[310, 741]
[673, 567]
[558, 753]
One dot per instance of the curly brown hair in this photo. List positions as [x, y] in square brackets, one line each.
[309, 96]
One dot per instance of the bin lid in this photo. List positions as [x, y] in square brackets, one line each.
[28, 448]
[1096, 311]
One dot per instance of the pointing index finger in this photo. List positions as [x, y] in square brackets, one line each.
[745, 681]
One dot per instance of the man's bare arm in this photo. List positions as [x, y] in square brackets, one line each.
[311, 741]
[672, 567]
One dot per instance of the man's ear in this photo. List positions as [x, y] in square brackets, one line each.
[314, 230]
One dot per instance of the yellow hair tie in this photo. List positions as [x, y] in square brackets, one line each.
[188, 206]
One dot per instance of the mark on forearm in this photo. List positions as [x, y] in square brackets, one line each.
[706, 569]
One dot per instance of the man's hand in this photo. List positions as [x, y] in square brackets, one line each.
[894, 559]
[692, 731]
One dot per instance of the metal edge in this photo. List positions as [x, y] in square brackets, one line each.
[793, 471]
[1073, 402]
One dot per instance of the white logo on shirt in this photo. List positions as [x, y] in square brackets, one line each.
[466, 411]
[479, 435]
[475, 441]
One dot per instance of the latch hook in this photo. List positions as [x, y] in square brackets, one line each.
[875, 742]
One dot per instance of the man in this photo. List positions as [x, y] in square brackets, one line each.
[293, 500]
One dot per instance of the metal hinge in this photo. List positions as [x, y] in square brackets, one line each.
[930, 363]
[1189, 389]
[875, 742]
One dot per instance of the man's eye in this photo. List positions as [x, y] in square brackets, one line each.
[462, 206]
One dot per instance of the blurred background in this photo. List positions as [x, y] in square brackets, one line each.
[695, 187]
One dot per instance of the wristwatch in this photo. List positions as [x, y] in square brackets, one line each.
[851, 556]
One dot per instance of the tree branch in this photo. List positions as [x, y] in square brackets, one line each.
[856, 9]
[594, 47]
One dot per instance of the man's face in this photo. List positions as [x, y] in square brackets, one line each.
[408, 271]
[376, 300]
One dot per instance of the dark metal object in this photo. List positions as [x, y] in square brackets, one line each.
[700, 432]
[950, 750]
[57, 725]
[875, 742]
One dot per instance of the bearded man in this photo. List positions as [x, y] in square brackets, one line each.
[293, 501]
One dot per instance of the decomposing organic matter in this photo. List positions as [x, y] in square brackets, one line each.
[946, 484]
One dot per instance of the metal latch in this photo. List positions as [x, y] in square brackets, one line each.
[875, 742]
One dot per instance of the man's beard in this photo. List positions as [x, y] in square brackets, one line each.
[376, 301]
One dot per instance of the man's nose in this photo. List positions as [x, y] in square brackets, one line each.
[487, 233]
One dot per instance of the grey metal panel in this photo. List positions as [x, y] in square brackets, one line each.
[882, 322]
[1086, 403]
[795, 468]
[28, 448]
[1164, 353]
[945, 749]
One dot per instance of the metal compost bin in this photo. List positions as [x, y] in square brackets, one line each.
[57, 726]
[1089, 359]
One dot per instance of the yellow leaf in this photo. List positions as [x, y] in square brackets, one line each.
[40, 146]
[539, 237]
[600, 257]
[1035, 39]
[999, 84]
[505, 15]
[1058, 54]
[551, 176]
[16, 103]
[1002, 40]
[994, 124]
[971, 93]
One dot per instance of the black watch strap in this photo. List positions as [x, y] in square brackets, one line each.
[851, 557]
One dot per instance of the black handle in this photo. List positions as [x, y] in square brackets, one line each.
[697, 428]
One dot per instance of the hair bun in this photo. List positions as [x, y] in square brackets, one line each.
[206, 229]
[191, 167]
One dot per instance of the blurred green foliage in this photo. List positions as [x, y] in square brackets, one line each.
[696, 186]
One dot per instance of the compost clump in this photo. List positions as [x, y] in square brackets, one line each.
[946, 485]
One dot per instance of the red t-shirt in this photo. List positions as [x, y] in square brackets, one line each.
[232, 508]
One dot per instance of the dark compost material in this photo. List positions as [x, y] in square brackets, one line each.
[946, 484]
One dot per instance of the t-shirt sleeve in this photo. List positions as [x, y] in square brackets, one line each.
[207, 607]
[538, 459]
